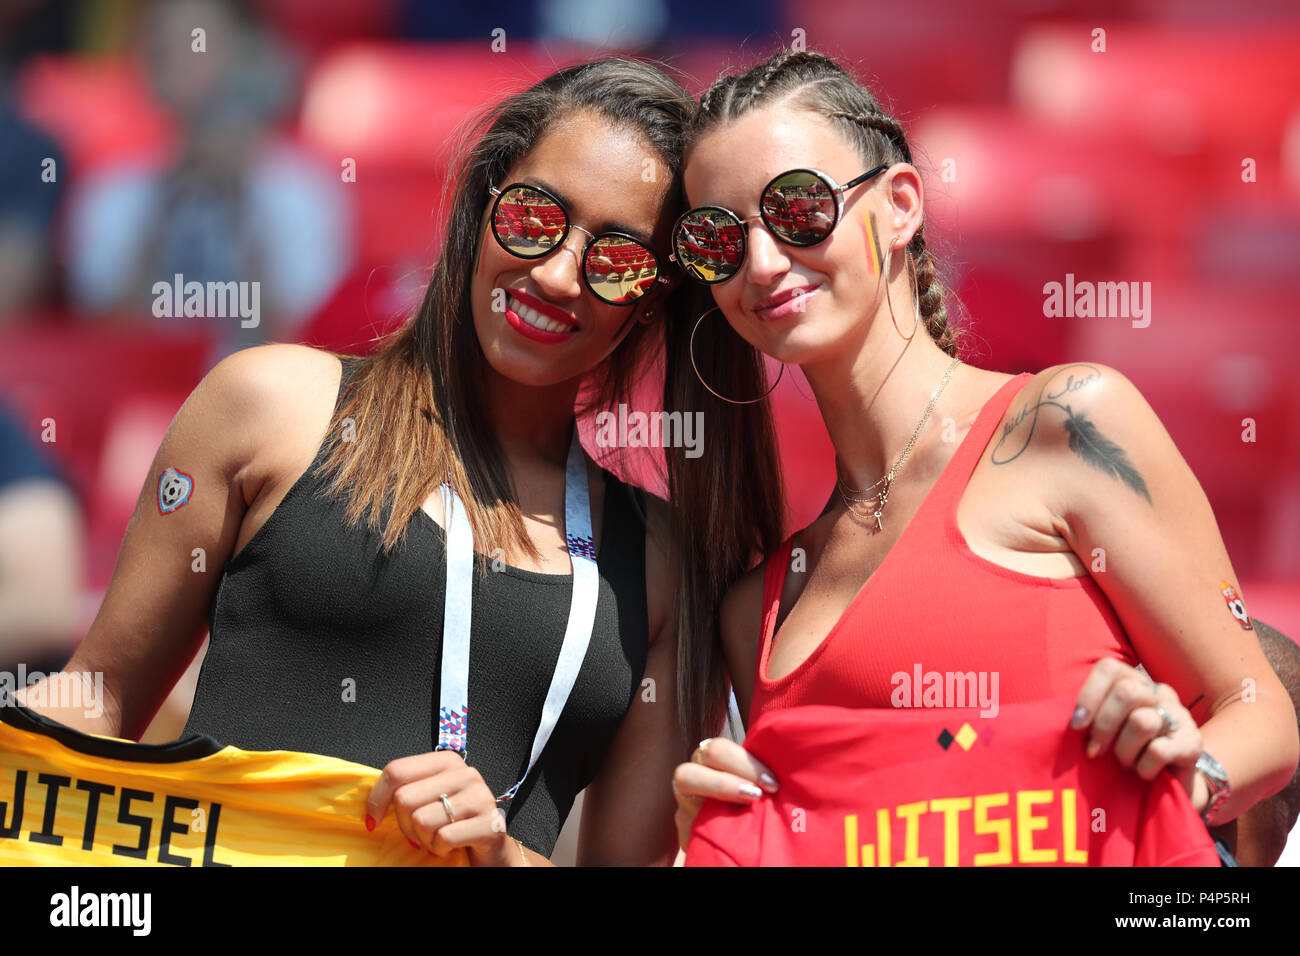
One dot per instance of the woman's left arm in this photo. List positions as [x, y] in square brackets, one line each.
[627, 811]
[1126, 502]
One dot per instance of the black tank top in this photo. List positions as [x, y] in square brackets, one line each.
[320, 643]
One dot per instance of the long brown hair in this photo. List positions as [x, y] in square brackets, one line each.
[816, 82]
[418, 417]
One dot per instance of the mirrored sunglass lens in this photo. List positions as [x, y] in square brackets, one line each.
[620, 270]
[800, 208]
[709, 244]
[528, 223]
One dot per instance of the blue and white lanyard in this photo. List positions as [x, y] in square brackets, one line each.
[453, 696]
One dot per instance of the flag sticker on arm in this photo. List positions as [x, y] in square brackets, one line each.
[174, 490]
[1235, 604]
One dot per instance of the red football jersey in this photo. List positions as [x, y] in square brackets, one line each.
[946, 787]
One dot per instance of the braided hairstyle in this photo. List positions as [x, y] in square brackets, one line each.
[815, 82]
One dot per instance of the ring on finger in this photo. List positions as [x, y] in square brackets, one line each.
[1169, 721]
[446, 806]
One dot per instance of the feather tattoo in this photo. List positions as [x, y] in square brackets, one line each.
[1102, 453]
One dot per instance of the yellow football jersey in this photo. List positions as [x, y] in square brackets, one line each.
[74, 799]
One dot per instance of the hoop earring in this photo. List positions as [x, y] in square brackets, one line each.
[691, 349]
[916, 294]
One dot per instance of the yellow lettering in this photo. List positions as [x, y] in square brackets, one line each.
[869, 852]
[951, 809]
[1001, 827]
[1070, 829]
[911, 814]
[1027, 823]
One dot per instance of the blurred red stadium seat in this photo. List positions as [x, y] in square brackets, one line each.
[83, 379]
[314, 25]
[100, 109]
[1008, 173]
[1024, 205]
[953, 51]
[1211, 67]
[1215, 354]
[1224, 85]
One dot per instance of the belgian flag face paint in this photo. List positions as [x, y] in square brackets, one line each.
[873, 242]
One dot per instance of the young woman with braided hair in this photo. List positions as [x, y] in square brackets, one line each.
[963, 495]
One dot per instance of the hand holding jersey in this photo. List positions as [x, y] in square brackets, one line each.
[444, 806]
[719, 769]
[1144, 724]
[946, 787]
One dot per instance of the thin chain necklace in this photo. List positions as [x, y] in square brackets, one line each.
[851, 496]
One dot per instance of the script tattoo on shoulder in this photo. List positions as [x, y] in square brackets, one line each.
[1085, 439]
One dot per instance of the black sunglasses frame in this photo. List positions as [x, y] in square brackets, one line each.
[837, 190]
[659, 277]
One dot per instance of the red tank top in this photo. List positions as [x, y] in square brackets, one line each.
[935, 620]
[946, 788]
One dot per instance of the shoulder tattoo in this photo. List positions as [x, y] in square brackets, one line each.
[1085, 439]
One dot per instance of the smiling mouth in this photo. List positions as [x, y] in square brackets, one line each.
[537, 319]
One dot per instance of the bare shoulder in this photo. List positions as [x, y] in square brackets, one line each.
[288, 379]
[273, 391]
[1080, 423]
[268, 407]
[1072, 408]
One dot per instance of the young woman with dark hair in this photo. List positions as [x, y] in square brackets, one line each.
[361, 517]
[972, 551]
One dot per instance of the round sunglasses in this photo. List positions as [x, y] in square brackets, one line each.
[800, 207]
[529, 222]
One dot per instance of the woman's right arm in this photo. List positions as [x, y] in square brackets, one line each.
[154, 615]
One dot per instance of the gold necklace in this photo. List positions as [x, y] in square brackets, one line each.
[881, 497]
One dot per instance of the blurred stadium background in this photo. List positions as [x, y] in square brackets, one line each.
[1173, 157]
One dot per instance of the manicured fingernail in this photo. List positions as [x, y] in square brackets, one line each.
[370, 822]
[751, 791]
[1079, 718]
[767, 780]
[1092, 749]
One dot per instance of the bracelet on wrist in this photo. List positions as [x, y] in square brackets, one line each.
[1216, 779]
